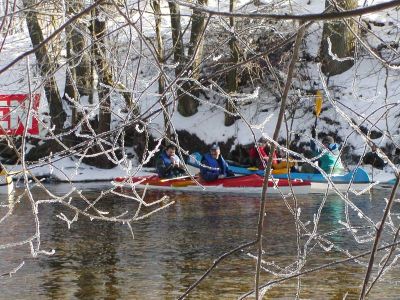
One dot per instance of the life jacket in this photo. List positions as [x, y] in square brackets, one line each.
[163, 168]
[330, 162]
[254, 154]
[255, 157]
[211, 168]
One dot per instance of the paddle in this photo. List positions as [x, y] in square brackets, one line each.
[318, 106]
[184, 183]
[174, 178]
[252, 168]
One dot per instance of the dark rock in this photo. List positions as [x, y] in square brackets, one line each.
[9, 154]
[373, 134]
[99, 159]
[141, 141]
[329, 121]
[192, 143]
[240, 154]
[42, 150]
[371, 158]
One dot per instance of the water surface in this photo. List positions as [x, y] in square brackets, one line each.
[172, 248]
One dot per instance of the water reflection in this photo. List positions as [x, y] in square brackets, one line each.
[86, 263]
[174, 247]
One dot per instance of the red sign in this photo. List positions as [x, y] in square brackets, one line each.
[14, 113]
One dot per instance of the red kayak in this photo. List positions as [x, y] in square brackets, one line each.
[238, 184]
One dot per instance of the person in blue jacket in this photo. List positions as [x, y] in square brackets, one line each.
[330, 161]
[168, 164]
[213, 165]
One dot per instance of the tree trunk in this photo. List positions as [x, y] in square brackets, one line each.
[188, 103]
[161, 59]
[57, 113]
[105, 77]
[70, 92]
[78, 77]
[103, 71]
[177, 40]
[342, 40]
[196, 39]
[83, 65]
[185, 107]
[231, 79]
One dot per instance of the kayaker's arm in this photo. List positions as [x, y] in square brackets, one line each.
[208, 173]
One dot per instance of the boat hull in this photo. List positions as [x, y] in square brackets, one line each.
[358, 178]
[251, 184]
[355, 188]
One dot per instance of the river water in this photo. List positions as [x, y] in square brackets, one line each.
[173, 247]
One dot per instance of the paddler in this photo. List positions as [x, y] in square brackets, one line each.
[213, 165]
[330, 161]
[264, 148]
[168, 164]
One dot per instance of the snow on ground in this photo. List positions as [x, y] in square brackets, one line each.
[69, 170]
[377, 175]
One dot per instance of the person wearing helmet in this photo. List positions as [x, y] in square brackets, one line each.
[330, 160]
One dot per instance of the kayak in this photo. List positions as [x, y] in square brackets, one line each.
[248, 184]
[358, 178]
[389, 184]
[358, 175]
[6, 184]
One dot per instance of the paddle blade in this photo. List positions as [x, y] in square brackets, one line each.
[183, 183]
[252, 169]
[318, 102]
[174, 178]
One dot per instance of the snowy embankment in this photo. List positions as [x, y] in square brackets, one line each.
[66, 170]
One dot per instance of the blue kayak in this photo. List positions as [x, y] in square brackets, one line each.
[390, 182]
[356, 176]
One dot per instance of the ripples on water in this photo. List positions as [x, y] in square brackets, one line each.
[171, 249]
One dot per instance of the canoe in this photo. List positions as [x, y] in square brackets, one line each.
[6, 184]
[247, 184]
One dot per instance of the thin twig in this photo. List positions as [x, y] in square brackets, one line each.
[267, 173]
